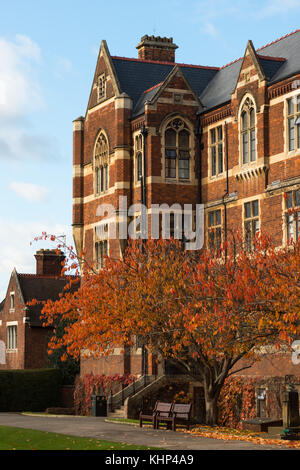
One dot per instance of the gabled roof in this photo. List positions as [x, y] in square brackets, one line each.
[138, 78]
[41, 288]
[287, 47]
[278, 60]
[147, 95]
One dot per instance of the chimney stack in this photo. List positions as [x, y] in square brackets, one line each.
[156, 48]
[49, 263]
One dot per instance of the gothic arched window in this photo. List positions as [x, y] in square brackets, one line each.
[101, 164]
[139, 156]
[177, 150]
[247, 129]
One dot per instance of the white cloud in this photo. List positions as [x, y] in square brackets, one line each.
[210, 29]
[277, 7]
[19, 88]
[30, 192]
[20, 97]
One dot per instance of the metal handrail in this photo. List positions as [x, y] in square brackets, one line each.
[117, 400]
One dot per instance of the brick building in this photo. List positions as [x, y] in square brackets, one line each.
[23, 339]
[157, 131]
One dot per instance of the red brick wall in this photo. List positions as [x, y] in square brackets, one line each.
[119, 129]
[15, 359]
[36, 347]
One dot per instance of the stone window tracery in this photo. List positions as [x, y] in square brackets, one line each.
[177, 150]
[248, 132]
[101, 162]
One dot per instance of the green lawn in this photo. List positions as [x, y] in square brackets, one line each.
[28, 439]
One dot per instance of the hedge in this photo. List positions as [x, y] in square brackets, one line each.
[29, 390]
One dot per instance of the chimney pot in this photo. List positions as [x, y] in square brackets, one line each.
[156, 48]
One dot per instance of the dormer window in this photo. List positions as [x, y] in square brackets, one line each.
[101, 87]
[247, 129]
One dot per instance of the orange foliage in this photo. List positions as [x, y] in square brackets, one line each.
[201, 311]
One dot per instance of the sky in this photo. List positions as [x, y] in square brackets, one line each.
[48, 53]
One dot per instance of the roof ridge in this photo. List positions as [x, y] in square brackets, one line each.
[269, 57]
[45, 276]
[279, 39]
[165, 63]
[153, 87]
[263, 47]
[230, 63]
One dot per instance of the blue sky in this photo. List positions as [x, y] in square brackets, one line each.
[48, 53]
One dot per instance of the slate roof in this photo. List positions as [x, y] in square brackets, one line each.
[212, 85]
[40, 288]
[137, 76]
[270, 67]
[220, 88]
[287, 47]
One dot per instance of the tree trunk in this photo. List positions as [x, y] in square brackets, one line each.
[211, 409]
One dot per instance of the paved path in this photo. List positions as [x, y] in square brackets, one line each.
[96, 427]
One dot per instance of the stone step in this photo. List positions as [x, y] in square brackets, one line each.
[118, 413]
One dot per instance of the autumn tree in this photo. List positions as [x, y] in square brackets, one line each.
[204, 311]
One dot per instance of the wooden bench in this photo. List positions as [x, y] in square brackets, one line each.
[163, 412]
[180, 413]
[160, 409]
[148, 417]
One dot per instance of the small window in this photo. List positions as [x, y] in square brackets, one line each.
[214, 230]
[101, 250]
[139, 157]
[247, 126]
[101, 87]
[293, 123]
[139, 166]
[12, 301]
[251, 221]
[261, 402]
[292, 215]
[216, 151]
[12, 337]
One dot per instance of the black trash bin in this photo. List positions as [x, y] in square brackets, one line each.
[99, 405]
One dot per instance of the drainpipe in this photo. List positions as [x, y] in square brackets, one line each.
[226, 193]
[144, 133]
[198, 133]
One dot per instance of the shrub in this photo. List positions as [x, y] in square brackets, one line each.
[29, 390]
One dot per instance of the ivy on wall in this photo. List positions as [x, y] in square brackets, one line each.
[91, 384]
